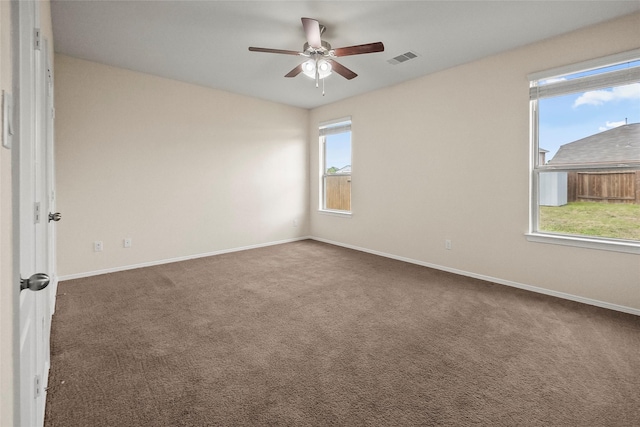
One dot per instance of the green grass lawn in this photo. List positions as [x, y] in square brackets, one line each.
[617, 220]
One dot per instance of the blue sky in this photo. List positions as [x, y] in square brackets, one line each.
[338, 148]
[568, 118]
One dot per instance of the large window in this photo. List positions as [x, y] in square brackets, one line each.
[586, 154]
[335, 165]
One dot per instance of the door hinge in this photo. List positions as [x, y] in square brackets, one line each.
[36, 39]
[36, 212]
[38, 388]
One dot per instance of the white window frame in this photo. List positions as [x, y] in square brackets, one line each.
[566, 87]
[331, 128]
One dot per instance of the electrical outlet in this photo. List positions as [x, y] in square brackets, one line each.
[97, 246]
[127, 243]
[447, 244]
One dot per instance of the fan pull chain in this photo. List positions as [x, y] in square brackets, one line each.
[323, 86]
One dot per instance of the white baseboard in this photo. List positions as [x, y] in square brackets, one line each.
[178, 259]
[531, 288]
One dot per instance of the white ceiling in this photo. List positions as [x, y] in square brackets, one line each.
[205, 42]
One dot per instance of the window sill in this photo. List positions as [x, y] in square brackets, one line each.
[343, 214]
[585, 242]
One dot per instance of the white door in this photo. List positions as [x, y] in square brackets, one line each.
[45, 244]
[33, 148]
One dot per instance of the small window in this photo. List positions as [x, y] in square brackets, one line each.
[335, 165]
[586, 152]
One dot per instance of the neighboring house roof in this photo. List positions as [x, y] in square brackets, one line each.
[617, 145]
[346, 169]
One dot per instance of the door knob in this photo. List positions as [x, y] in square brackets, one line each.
[37, 282]
[55, 216]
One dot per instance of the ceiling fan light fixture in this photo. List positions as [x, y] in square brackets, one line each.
[309, 68]
[322, 66]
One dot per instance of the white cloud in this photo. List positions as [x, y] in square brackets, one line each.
[599, 97]
[611, 125]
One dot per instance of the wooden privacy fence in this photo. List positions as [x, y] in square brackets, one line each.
[338, 192]
[608, 187]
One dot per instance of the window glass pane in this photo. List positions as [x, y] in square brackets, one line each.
[338, 153]
[337, 172]
[595, 137]
[338, 192]
[572, 121]
[586, 216]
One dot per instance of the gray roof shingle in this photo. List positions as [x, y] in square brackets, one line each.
[617, 145]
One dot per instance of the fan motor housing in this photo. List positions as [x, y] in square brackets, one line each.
[324, 49]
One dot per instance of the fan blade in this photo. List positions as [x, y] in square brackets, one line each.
[267, 50]
[342, 70]
[312, 30]
[295, 71]
[360, 49]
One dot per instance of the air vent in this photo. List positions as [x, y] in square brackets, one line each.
[402, 58]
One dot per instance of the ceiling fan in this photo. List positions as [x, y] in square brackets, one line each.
[321, 62]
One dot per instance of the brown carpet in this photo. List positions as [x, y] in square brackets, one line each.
[310, 334]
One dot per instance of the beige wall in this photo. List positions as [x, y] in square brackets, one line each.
[180, 169]
[446, 157]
